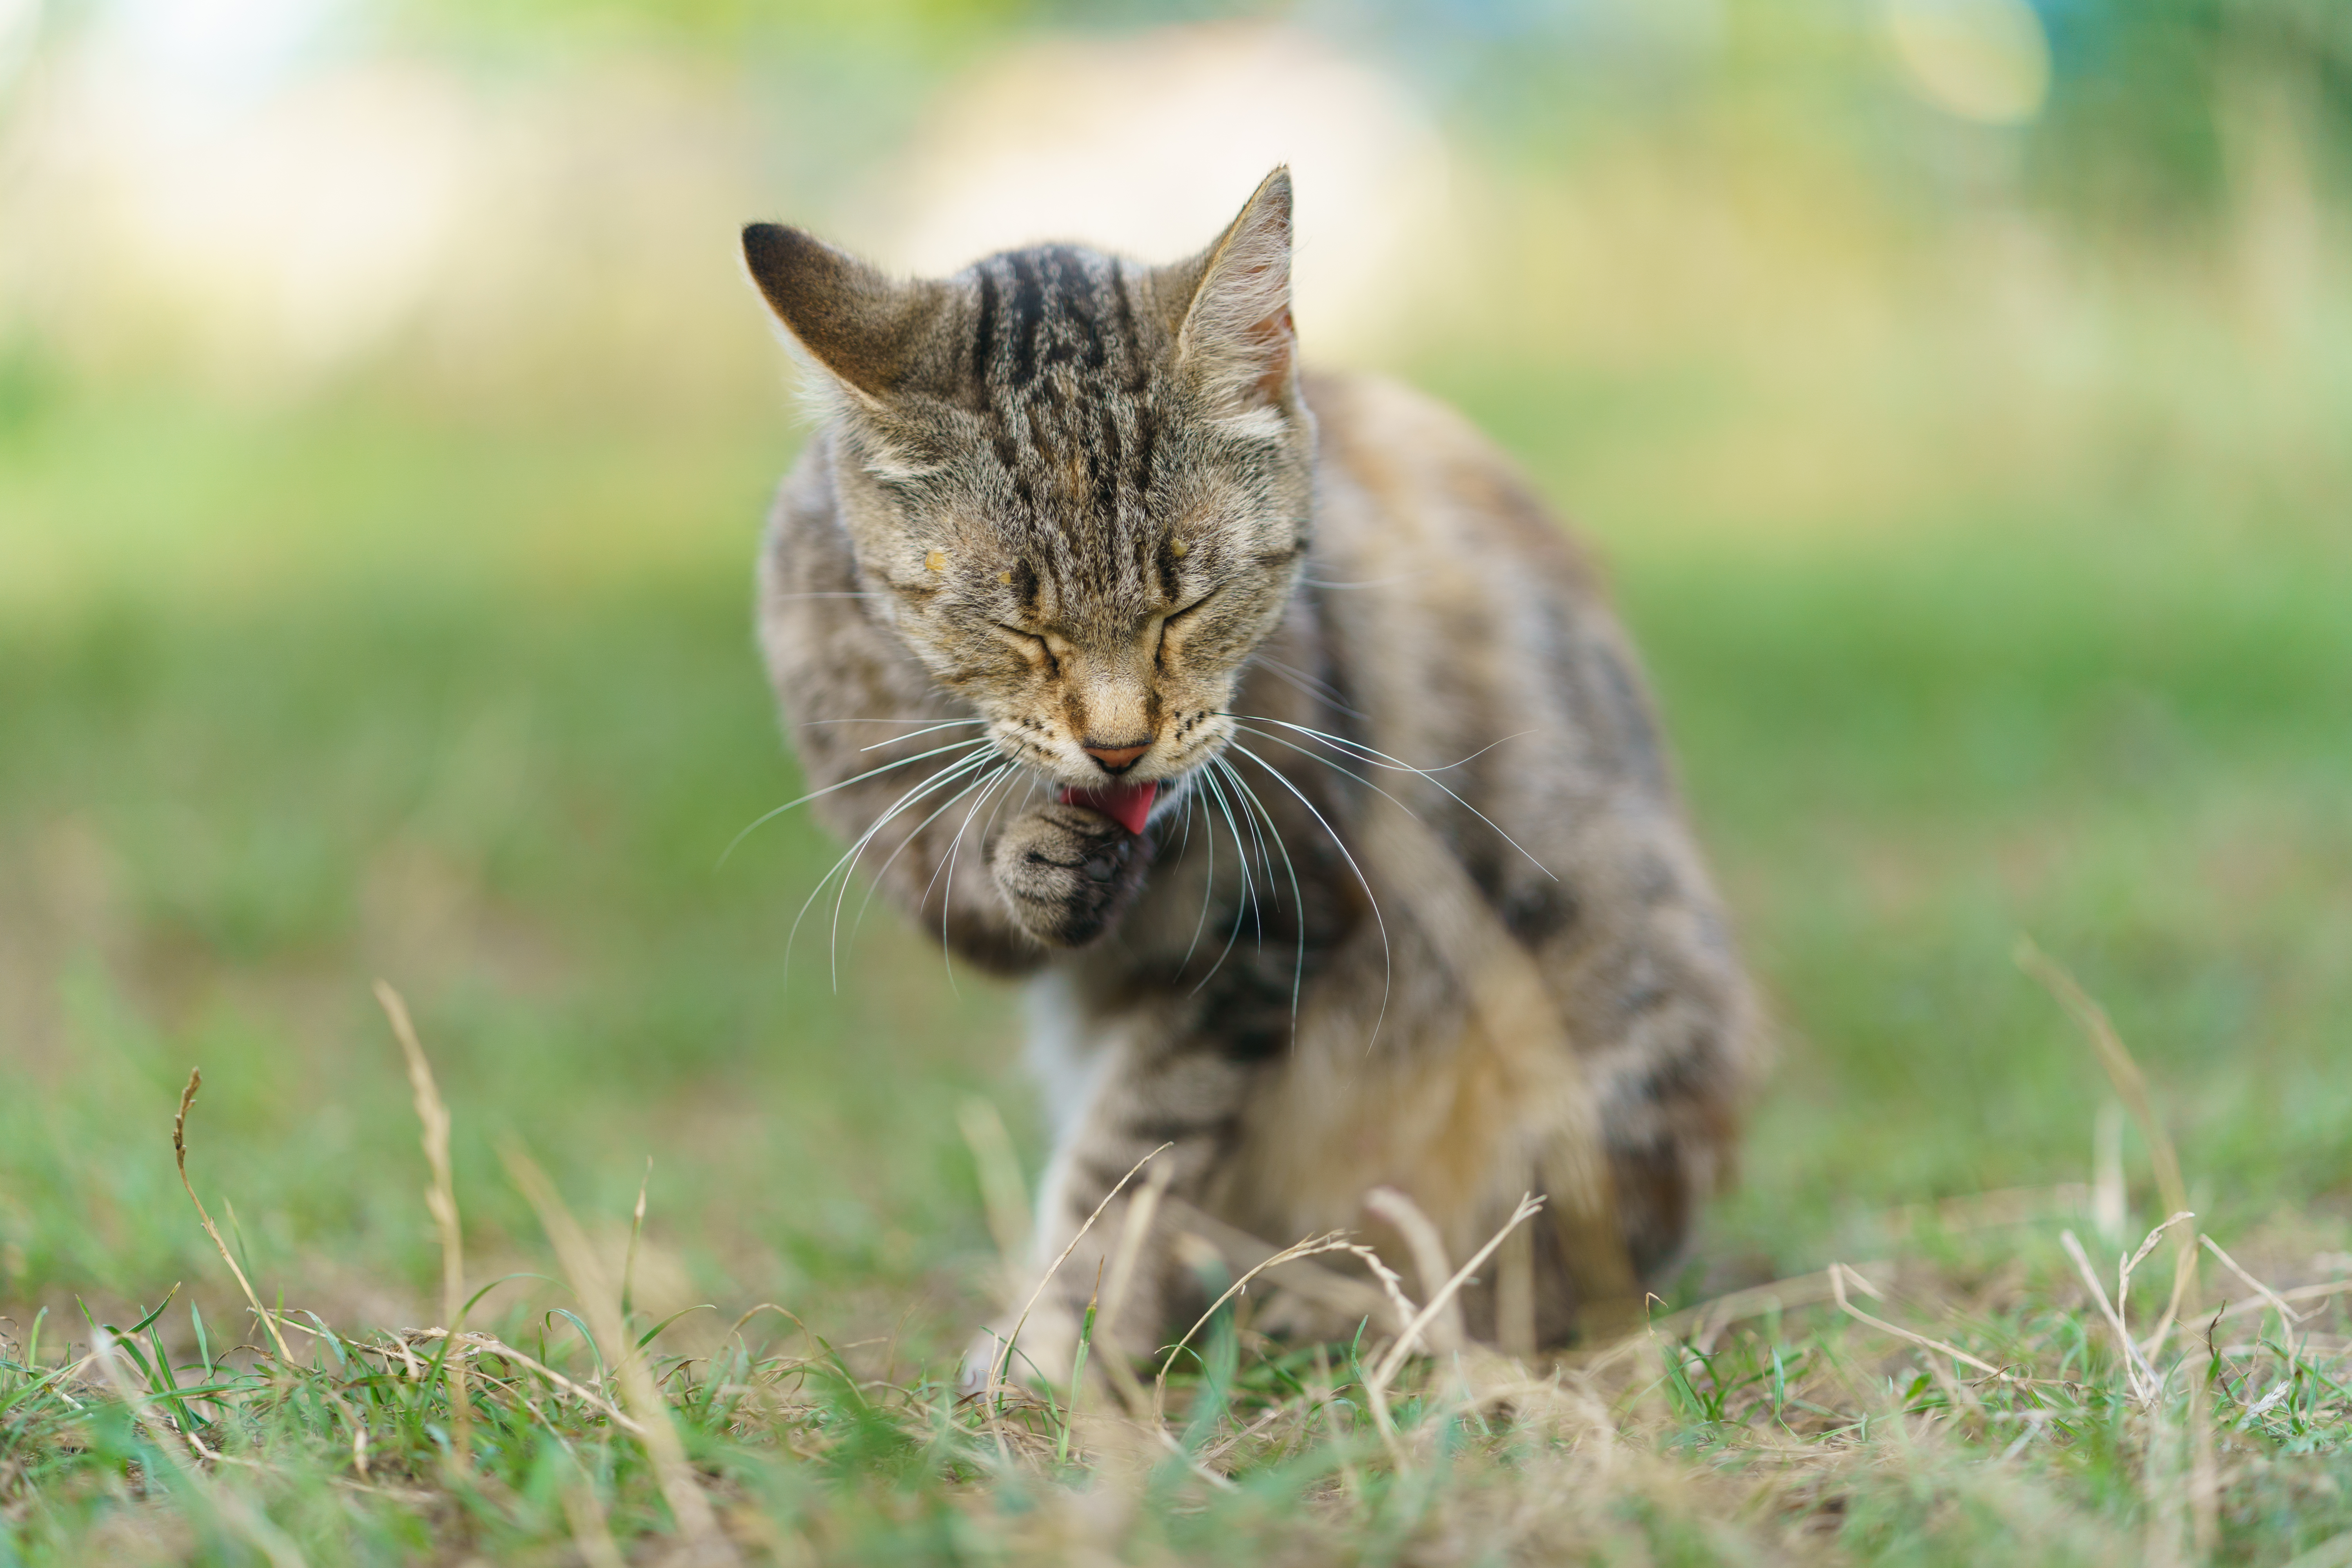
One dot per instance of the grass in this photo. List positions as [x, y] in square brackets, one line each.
[1744, 1428]
[302, 699]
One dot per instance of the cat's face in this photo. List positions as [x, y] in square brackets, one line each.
[1078, 490]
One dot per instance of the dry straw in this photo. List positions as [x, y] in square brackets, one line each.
[440, 1200]
[180, 1157]
[600, 1298]
[2131, 1087]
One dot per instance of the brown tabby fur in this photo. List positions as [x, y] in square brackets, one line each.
[1069, 500]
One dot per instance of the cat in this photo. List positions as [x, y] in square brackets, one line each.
[1270, 724]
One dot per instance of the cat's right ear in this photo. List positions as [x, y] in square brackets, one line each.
[858, 323]
[1236, 332]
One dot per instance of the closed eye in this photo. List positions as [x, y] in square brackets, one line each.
[1030, 645]
[1180, 615]
[1176, 618]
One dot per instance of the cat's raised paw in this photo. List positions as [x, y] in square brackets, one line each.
[1067, 871]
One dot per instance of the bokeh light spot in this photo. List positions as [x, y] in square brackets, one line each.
[1986, 60]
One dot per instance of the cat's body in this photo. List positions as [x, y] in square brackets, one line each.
[1415, 906]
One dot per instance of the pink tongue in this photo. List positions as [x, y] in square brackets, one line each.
[1130, 805]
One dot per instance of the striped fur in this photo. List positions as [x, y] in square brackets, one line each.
[1416, 905]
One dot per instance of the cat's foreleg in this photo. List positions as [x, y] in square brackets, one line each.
[1152, 1114]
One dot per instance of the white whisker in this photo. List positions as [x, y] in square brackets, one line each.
[955, 845]
[1249, 887]
[1367, 582]
[842, 898]
[1387, 961]
[1265, 858]
[1241, 848]
[1298, 899]
[1312, 685]
[1381, 759]
[939, 780]
[919, 734]
[1209, 883]
[996, 811]
[858, 923]
[767, 816]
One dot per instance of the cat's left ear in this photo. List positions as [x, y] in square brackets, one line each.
[1236, 333]
[867, 327]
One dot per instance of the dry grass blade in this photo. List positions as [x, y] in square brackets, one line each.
[602, 1302]
[109, 1361]
[1132, 1233]
[1335, 1242]
[2110, 1197]
[2288, 1316]
[636, 1234]
[2123, 1268]
[2131, 1087]
[1429, 1259]
[1344, 1294]
[484, 1345]
[2142, 1375]
[1376, 1382]
[440, 1200]
[2147, 1246]
[180, 1157]
[999, 1364]
[1839, 1276]
[2300, 1293]
[1390, 1364]
[2130, 1083]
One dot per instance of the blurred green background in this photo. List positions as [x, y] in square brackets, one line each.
[1958, 391]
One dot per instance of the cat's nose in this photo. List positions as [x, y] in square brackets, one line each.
[1115, 759]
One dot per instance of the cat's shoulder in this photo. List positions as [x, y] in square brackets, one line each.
[1390, 458]
[1357, 404]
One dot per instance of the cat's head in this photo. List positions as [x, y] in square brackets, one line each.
[1078, 488]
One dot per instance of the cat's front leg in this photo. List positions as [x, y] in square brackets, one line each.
[1067, 872]
[1160, 1113]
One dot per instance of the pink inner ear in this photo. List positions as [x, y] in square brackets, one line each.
[1275, 339]
[1130, 805]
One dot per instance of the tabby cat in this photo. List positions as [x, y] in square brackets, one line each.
[1270, 725]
